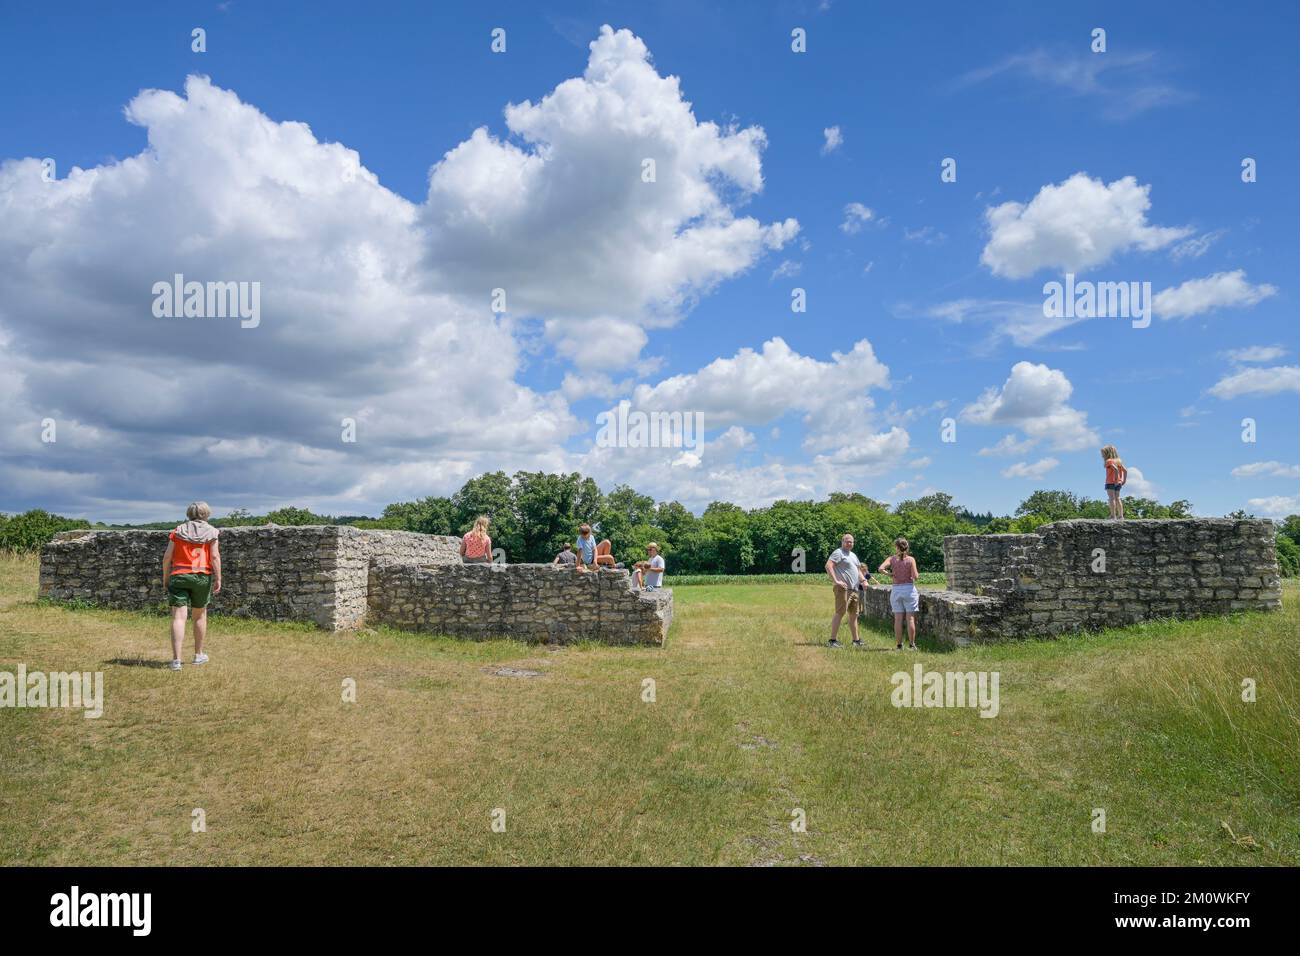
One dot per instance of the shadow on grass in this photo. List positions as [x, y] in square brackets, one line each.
[846, 645]
[925, 642]
[136, 662]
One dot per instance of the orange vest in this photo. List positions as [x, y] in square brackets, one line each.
[191, 558]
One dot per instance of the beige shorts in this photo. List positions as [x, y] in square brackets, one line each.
[845, 602]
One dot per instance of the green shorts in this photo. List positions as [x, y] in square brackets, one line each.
[189, 590]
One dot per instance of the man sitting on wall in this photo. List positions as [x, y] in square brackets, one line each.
[566, 556]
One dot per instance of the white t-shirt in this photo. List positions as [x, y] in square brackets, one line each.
[847, 570]
[655, 576]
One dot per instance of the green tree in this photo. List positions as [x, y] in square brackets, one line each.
[623, 509]
[429, 515]
[294, 517]
[1051, 506]
[728, 547]
[549, 508]
[491, 494]
[31, 530]
[1288, 556]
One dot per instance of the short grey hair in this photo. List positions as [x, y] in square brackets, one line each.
[198, 511]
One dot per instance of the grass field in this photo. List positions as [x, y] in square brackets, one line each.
[752, 719]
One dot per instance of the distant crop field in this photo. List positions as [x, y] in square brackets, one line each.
[750, 722]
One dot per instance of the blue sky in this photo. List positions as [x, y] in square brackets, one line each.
[1126, 165]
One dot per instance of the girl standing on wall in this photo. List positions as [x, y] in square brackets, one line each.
[1116, 477]
[476, 546]
[904, 599]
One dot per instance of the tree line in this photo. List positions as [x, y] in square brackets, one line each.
[534, 513]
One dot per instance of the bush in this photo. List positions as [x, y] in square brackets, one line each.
[1288, 556]
[31, 530]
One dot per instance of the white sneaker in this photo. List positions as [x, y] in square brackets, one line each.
[200, 658]
[175, 665]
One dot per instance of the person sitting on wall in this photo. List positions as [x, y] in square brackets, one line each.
[650, 574]
[476, 546]
[566, 556]
[191, 575]
[585, 547]
[605, 555]
[904, 599]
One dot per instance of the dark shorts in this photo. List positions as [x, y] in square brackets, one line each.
[1111, 487]
[189, 590]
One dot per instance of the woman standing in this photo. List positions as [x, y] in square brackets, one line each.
[476, 546]
[904, 599]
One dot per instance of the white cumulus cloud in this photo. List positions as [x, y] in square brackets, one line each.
[1219, 291]
[1031, 470]
[1072, 226]
[1034, 398]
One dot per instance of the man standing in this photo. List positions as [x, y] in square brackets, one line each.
[846, 575]
[650, 574]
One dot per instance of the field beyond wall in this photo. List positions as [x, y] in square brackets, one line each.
[751, 720]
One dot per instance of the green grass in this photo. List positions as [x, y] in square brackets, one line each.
[818, 579]
[752, 719]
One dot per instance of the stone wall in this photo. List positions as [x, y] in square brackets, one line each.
[531, 602]
[316, 574]
[1090, 574]
[338, 577]
[950, 617]
[1152, 569]
[972, 562]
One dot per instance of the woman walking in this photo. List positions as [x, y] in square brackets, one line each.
[476, 546]
[191, 576]
[904, 599]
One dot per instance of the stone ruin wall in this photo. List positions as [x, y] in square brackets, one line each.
[314, 574]
[531, 602]
[1052, 582]
[339, 577]
[971, 562]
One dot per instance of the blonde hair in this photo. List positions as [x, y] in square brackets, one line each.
[479, 531]
[198, 511]
[652, 545]
[1110, 451]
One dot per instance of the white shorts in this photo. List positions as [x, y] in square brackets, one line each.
[904, 598]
